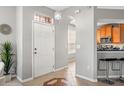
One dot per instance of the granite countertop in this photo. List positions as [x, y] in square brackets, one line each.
[110, 50]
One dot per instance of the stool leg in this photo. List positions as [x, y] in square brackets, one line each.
[121, 79]
[120, 69]
[107, 70]
[107, 74]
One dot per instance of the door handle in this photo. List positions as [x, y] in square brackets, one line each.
[35, 52]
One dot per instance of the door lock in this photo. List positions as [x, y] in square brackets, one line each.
[35, 52]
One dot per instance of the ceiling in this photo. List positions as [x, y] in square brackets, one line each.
[109, 21]
[58, 8]
[111, 7]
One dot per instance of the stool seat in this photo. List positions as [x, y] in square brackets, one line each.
[112, 60]
[121, 59]
[121, 79]
[108, 59]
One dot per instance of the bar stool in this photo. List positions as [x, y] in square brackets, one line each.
[108, 60]
[121, 79]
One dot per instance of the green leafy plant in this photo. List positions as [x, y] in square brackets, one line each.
[6, 56]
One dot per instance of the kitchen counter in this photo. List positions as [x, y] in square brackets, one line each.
[110, 51]
[110, 54]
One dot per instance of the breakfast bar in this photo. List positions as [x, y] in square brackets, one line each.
[110, 58]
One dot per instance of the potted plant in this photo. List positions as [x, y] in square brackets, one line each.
[6, 58]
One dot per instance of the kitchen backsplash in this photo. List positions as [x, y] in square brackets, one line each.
[121, 46]
[110, 47]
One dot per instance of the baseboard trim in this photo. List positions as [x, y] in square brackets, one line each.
[83, 77]
[113, 76]
[19, 78]
[25, 80]
[2, 77]
[58, 69]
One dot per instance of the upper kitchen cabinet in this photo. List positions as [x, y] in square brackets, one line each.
[116, 34]
[98, 36]
[102, 31]
[122, 32]
[108, 30]
[113, 31]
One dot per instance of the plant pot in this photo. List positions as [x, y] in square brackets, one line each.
[2, 80]
[8, 78]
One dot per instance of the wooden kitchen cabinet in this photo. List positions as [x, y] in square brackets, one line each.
[115, 31]
[102, 32]
[116, 34]
[108, 30]
[98, 36]
[122, 33]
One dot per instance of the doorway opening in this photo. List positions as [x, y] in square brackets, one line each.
[72, 48]
[109, 40]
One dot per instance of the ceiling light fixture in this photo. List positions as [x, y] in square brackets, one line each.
[57, 15]
[77, 11]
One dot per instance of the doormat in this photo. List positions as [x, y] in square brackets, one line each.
[56, 82]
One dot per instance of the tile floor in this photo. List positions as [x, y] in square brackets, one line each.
[68, 73]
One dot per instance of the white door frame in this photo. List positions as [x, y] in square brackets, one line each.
[33, 76]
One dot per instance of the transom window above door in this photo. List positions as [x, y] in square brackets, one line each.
[43, 18]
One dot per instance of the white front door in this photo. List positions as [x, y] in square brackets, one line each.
[43, 49]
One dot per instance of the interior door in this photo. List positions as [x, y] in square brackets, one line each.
[43, 49]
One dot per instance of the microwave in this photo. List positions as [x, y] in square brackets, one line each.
[106, 40]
